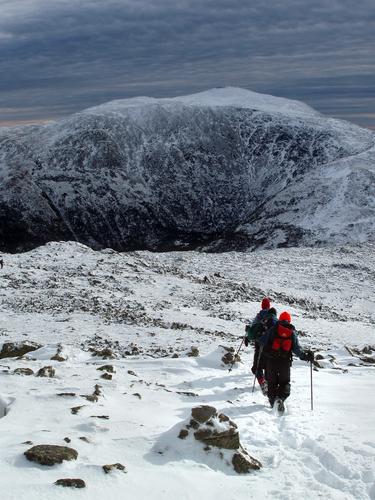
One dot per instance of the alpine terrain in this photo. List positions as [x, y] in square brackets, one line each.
[223, 169]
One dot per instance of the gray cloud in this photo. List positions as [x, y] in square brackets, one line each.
[62, 56]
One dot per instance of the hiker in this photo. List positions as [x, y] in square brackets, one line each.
[264, 320]
[279, 342]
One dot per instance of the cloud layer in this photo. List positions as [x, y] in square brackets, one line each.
[61, 56]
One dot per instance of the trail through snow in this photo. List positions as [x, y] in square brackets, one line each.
[147, 307]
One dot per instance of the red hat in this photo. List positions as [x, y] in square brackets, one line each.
[285, 316]
[266, 303]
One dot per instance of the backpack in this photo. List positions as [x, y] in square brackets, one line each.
[282, 343]
[262, 323]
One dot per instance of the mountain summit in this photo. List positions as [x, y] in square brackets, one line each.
[222, 169]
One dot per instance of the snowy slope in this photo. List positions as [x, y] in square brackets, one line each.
[226, 168]
[148, 307]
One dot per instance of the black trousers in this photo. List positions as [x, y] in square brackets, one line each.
[278, 378]
[259, 364]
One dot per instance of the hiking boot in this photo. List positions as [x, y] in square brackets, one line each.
[280, 405]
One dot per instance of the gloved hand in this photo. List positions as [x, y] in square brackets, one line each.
[246, 341]
[308, 356]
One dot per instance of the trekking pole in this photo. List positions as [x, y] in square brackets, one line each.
[256, 371]
[311, 386]
[235, 356]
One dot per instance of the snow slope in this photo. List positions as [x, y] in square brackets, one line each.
[148, 307]
[224, 169]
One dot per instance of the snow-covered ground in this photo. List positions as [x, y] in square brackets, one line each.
[148, 307]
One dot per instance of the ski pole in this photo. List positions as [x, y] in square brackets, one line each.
[257, 368]
[311, 386]
[235, 356]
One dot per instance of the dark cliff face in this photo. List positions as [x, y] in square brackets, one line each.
[178, 176]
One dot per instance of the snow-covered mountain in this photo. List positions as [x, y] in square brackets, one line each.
[226, 168]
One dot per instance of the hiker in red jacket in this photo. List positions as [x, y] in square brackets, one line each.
[279, 342]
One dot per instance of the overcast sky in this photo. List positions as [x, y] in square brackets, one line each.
[61, 56]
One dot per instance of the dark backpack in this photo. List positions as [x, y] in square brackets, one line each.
[263, 321]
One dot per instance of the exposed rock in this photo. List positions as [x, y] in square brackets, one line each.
[228, 439]
[46, 371]
[23, 371]
[203, 413]
[97, 390]
[47, 454]
[104, 417]
[105, 353]
[183, 433]
[111, 467]
[85, 439]
[17, 349]
[244, 463]
[67, 394]
[93, 398]
[67, 440]
[106, 376]
[230, 357]
[194, 352]
[76, 409]
[57, 357]
[130, 372]
[107, 368]
[71, 483]
[137, 395]
[218, 431]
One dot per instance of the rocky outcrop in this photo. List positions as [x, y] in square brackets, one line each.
[216, 430]
[46, 454]
[17, 349]
[23, 371]
[113, 467]
[46, 371]
[71, 483]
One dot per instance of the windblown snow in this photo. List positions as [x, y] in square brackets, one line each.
[149, 310]
[223, 169]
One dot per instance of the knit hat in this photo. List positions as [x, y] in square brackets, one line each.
[266, 303]
[285, 316]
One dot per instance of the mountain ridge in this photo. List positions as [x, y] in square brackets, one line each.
[175, 173]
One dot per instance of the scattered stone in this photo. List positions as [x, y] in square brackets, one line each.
[71, 483]
[85, 439]
[23, 371]
[29, 443]
[183, 433]
[109, 468]
[68, 394]
[107, 368]
[187, 393]
[97, 390]
[130, 372]
[46, 454]
[230, 357]
[244, 463]
[194, 352]
[105, 353]
[203, 413]
[57, 357]
[106, 376]
[67, 440]
[104, 417]
[76, 409]
[175, 355]
[46, 371]
[18, 349]
[137, 395]
[93, 398]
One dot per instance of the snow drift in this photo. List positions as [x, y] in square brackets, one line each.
[227, 168]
